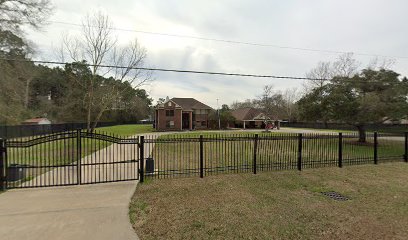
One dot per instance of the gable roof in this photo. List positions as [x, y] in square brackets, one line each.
[248, 113]
[161, 105]
[189, 103]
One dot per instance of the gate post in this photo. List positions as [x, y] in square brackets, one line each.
[79, 156]
[201, 157]
[406, 148]
[141, 156]
[2, 164]
[375, 148]
[340, 150]
[299, 160]
[255, 152]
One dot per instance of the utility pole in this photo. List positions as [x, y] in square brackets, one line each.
[218, 113]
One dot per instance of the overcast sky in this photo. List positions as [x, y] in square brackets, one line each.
[363, 26]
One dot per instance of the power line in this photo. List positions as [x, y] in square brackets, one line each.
[185, 71]
[242, 42]
[169, 70]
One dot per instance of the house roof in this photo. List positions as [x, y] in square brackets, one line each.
[188, 104]
[249, 113]
[35, 120]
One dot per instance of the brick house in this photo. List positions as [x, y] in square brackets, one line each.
[252, 118]
[181, 114]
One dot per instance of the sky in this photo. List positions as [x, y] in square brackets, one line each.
[365, 26]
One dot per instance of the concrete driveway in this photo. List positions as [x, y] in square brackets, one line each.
[76, 212]
[96, 211]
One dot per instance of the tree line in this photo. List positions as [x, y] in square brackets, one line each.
[30, 90]
[345, 94]
[342, 92]
[82, 90]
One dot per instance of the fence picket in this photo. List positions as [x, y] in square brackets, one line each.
[141, 154]
[375, 148]
[406, 147]
[2, 164]
[340, 150]
[300, 141]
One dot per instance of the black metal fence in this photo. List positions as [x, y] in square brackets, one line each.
[15, 131]
[186, 155]
[78, 157]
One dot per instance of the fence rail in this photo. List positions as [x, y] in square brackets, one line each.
[181, 155]
[384, 128]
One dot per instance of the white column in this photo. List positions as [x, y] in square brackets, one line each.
[244, 124]
[190, 120]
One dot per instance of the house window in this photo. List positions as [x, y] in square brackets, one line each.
[169, 113]
[200, 111]
[204, 123]
[169, 124]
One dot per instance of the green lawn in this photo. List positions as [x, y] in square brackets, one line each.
[127, 130]
[321, 130]
[274, 151]
[276, 205]
[388, 130]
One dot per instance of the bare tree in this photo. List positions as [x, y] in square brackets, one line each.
[271, 101]
[98, 47]
[384, 63]
[321, 73]
[15, 13]
[245, 104]
[290, 97]
[344, 66]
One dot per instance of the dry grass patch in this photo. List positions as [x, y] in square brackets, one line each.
[276, 205]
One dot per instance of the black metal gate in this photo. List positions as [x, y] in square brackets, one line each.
[68, 158]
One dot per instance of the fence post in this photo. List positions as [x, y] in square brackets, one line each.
[79, 156]
[2, 164]
[141, 155]
[340, 150]
[201, 157]
[375, 148]
[406, 147]
[255, 152]
[299, 162]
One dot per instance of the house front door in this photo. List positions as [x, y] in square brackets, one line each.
[185, 121]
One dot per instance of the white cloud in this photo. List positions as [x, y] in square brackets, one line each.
[364, 26]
